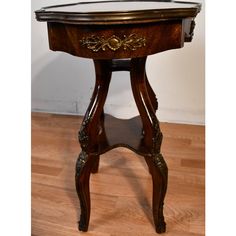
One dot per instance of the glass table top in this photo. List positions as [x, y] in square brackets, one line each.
[118, 6]
[118, 11]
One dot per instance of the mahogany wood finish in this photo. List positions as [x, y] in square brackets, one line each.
[66, 37]
[119, 41]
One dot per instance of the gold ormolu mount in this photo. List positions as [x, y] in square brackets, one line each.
[96, 43]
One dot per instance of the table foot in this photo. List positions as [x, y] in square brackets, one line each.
[161, 228]
[82, 226]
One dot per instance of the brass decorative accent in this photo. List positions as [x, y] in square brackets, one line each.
[96, 43]
[81, 161]
[83, 134]
[157, 134]
[189, 36]
[160, 162]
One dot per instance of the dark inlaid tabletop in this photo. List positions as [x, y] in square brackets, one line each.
[110, 12]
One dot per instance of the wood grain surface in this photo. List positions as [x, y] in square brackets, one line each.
[121, 191]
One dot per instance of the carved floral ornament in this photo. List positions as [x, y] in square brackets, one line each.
[96, 43]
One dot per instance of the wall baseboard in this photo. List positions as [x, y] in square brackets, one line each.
[54, 106]
[190, 116]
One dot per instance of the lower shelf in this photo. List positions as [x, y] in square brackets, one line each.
[122, 133]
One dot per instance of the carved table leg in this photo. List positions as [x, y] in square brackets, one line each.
[142, 100]
[97, 157]
[152, 137]
[152, 97]
[151, 94]
[88, 160]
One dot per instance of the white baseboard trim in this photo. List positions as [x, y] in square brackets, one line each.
[195, 117]
[54, 106]
[190, 116]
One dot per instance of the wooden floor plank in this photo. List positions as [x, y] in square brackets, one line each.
[122, 190]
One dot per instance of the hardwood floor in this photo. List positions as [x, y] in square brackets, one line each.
[121, 192]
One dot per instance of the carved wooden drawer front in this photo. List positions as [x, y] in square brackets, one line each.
[117, 41]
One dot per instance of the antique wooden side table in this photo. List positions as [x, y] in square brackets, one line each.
[118, 36]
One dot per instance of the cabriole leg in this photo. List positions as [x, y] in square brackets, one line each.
[147, 105]
[88, 160]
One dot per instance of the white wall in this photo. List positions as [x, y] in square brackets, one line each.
[62, 83]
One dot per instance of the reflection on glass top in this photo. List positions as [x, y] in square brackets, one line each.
[114, 6]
